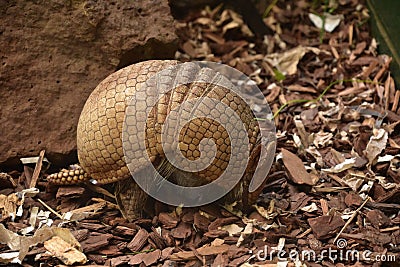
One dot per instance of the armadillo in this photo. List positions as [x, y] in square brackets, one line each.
[100, 141]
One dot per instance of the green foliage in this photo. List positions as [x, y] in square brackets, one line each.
[269, 8]
[279, 76]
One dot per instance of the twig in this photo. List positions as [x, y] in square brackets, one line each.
[351, 218]
[50, 209]
[306, 232]
[38, 168]
[390, 229]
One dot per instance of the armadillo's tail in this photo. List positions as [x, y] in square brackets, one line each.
[75, 175]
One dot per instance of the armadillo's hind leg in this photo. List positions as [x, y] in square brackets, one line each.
[131, 199]
[75, 175]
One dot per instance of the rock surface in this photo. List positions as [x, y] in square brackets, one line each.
[54, 53]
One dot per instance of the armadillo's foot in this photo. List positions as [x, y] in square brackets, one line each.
[75, 175]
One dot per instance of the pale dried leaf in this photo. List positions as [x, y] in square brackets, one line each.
[64, 251]
[232, 229]
[287, 61]
[355, 180]
[376, 144]
[23, 243]
[9, 204]
[322, 139]
[347, 164]
[9, 257]
[230, 25]
[310, 208]
[247, 230]
[331, 21]
[264, 212]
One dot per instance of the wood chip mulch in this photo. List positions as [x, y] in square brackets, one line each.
[333, 197]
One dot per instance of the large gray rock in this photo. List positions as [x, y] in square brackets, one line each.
[54, 53]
